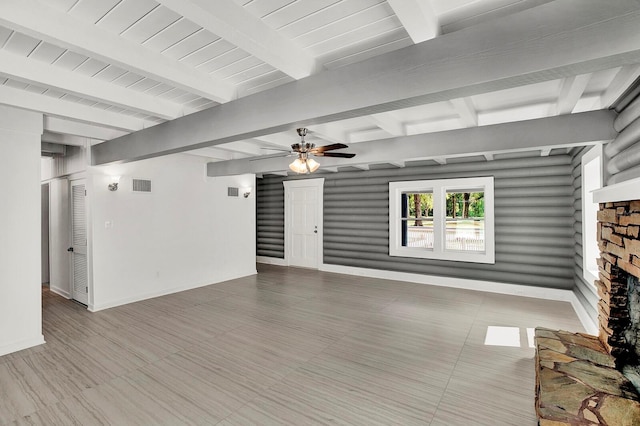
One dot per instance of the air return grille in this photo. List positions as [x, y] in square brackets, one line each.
[141, 185]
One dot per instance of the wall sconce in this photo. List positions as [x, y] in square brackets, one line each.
[113, 186]
[246, 192]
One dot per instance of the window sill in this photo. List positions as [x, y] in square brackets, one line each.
[450, 255]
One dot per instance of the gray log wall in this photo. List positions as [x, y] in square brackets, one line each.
[270, 217]
[583, 290]
[623, 153]
[534, 220]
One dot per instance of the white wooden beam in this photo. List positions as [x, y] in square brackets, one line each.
[40, 73]
[623, 79]
[475, 12]
[212, 153]
[599, 35]
[545, 152]
[51, 148]
[571, 92]
[279, 140]
[233, 23]
[242, 147]
[440, 160]
[466, 110]
[398, 164]
[389, 124]
[587, 128]
[49, 105]
[489, 156]
[69, 127]
[39, 20]
[330, 169]
[63, 139]
[417, 17]
[363, 167]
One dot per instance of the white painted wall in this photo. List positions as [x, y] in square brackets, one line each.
[187, 233]
[20, 289]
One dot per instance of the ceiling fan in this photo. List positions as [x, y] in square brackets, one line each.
[302, 150]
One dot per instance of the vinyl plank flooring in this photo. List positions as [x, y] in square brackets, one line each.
[22, 391]
[432, 312]
[205, 398]
[287, 346]
[277, 350]
[142, 345]
[430, 363]
[66, 371]
[346, 305]
[56, 414]
[313, 396]
[256, 300]
[120, 403]
[467, 401]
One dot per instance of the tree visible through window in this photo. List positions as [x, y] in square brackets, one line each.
[465, 221]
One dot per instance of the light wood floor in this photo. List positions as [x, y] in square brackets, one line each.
[287, 346]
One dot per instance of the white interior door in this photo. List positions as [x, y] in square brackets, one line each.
[78, 249]
[303, 222]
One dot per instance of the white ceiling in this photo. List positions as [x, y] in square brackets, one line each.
[105, 68]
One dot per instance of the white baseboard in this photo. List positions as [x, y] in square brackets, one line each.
[487, 286]
[61, 292]
[21, 344]
[587, 322]
[271, 260]
[150, 295]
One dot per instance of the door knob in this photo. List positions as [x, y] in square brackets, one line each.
[70, 249]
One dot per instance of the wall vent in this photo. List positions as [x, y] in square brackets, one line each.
[141, 185]
[232, 191]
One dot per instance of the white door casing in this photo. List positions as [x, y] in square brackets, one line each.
[303, 222]
[78, 248]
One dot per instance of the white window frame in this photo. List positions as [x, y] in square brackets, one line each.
[439, 188]
[590, 182]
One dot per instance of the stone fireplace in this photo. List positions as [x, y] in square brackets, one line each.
[618, 288]
[595, 380]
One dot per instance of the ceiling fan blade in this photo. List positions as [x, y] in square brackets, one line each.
[264, 157]
[334, 154]
[329, 147]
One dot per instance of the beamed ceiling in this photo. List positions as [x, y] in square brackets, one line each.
[231, 79]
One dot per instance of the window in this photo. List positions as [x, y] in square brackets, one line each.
[448, 219]
[591, 180]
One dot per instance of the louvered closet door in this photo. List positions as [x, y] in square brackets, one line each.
[79, 242]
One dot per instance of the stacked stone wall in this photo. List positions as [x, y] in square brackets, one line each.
[619, 242]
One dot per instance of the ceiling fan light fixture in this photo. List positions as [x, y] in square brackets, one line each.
[308, 165]
[312, 165]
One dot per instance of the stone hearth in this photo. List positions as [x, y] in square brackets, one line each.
[577, 383]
